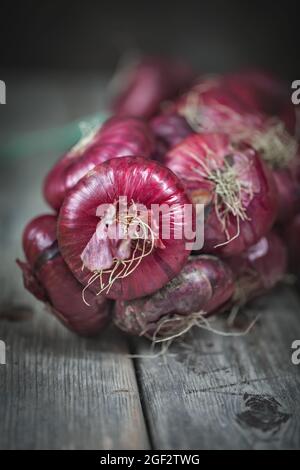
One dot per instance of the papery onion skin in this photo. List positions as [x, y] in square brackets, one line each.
[259, 269]
[118, 137]
[141, 181]
[204, 285]
[259, 198]
[48, 278]
[149, 82]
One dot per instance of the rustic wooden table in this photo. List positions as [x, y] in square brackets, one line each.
[58, 391]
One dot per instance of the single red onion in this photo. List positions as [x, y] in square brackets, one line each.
[48, 278]
[149, 82]
[258, 269]
[118, 137]
[204, 285]
[209, 106]
[292, 238]
[117, 252]
[235, 186]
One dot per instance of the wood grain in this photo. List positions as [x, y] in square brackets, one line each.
[217, 392]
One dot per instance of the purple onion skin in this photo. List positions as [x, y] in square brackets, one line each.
[260, 268]
[118, 137]
[142, 181]
[150, 82]
[204, 284]
[48, 278]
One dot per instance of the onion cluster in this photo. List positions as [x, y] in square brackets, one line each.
[128, 199]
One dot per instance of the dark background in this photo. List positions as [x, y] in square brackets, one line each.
[92, 35]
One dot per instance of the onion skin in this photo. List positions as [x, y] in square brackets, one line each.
[259, 269]
[142, 181]
[260, 207]
[118, 137]
[48, 278]
[204, 285]
[151, 81]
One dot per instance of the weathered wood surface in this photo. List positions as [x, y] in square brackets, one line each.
[228, 392]
[59, 391]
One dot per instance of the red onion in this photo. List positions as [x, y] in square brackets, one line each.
[209, 106]
[149, 82]
[48, 278]
[117, 253]
[235, 186]
[259, 269]
[204, 285]
[118, 137]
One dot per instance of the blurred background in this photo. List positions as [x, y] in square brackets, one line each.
[54, 53]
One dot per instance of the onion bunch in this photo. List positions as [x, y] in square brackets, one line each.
[127, 203]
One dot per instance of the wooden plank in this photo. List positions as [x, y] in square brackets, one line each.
[57, 391]
[228, 392]
[62, 392]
